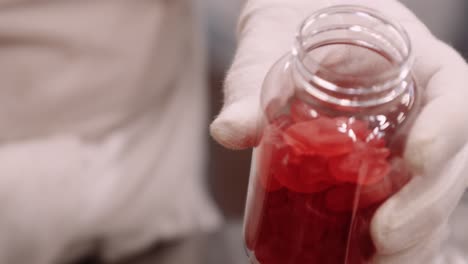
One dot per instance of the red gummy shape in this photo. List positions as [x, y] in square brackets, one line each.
[301, 111]
[353, 127]
[312, 174]
[271, 152]
[359, 131]
[320, 136]
[365, 165]
[348, 197]
[308, 177]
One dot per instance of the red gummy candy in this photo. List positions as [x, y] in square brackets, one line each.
[271, 152]
[268, 155]
[374, 141]
[365, 165]
[273, 131]
[375, 193]
[400, 174]
[314, 171]
[341, 198]
[361, 248]
[347, 197]
[301, 111]
[359, 130]
[302, 178]
[354, 128]
[320, 136]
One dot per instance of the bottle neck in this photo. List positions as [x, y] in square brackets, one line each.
[352, 57]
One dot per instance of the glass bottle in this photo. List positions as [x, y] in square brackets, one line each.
[335, 116]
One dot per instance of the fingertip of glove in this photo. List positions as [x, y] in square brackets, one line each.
[228, 135]
[391, 225]
[235, 127]
[382, 229]
[406, 219]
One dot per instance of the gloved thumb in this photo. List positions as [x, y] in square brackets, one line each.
[236, 125]
[259, 47]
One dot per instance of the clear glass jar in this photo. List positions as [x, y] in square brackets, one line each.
[336, 112]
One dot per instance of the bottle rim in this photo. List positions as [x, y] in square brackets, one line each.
[392, 79]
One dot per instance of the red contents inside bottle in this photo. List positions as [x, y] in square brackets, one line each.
[320, 180]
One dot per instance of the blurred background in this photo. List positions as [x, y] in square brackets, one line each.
[228, 170]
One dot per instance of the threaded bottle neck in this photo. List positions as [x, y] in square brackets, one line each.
[352, 56]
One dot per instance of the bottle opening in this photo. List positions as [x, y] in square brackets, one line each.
[352, 56]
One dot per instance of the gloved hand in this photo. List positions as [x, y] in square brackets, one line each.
[409, 227]
[93, 126]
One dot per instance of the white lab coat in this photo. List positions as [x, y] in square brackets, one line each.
[102, 127]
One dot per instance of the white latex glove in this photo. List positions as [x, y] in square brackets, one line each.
[409, 227]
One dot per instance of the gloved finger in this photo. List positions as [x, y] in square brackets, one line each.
[236, 125]
[426, 252]
[410, 216]
[266, 31]
[434, 151]
[441, 128]
[263, 39]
